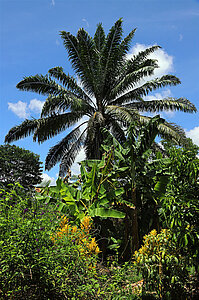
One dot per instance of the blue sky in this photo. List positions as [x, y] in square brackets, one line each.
[30, 44]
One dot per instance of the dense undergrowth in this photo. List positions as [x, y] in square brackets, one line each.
[44, 255]
[76, 240]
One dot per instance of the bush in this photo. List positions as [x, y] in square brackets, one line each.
[162, 266]
[32, 265]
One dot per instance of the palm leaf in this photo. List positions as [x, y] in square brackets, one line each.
[130, 80]
[99, 37]
[87, 52]
[167, 130]
[26, 128]
[70, 155]
[149, 86]
[125, 44]
[123, 114]
[56, 152]
[110, 52]
[181, 104]
[117, 130]
[40, 84]
[142, 55]
[54, 104]
[148, 135]
[53, 125]
[69, 82]
[74, 48]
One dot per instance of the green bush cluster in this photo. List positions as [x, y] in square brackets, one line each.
[32, 266]
[162, 266]
[49, 250]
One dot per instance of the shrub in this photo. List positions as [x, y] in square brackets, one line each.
[32, 266]
[79, 236]
[162, 266]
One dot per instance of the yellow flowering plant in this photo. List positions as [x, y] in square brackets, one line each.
[79, 235]
[161, 266]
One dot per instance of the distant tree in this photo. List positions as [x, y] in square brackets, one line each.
[110, 93]
[19, 165]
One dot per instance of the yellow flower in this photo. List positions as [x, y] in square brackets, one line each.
[74, 229]
[63, 222]
[153, 232]
[97, 250]
[86, 223]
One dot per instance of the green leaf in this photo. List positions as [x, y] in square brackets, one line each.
[106, 213]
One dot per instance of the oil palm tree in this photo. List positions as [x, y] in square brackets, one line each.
[107, 90]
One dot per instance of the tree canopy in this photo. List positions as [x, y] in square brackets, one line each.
[19, 165]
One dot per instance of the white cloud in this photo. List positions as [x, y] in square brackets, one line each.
[57, 42]
[23, 109]
[165, 61]
[46, 178]
[36, 105]
[180, 37]
[194, 135]
[53, 2]
[75, 168]
[19, 109]
[84, 20]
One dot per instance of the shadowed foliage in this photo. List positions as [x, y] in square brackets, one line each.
[19, 165]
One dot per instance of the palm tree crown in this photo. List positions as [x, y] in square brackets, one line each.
[110, 94]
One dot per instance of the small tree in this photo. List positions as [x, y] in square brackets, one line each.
[19, 165]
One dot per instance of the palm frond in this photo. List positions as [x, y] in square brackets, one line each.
[142, 55]
[54, 104]
[69, 83]
[122, 114]
[40, 84]
[149, 86]
[143, 90]
[181, 104]
[129, 81]
[53, 125]
[117, 130]
[170, 131]
[70, 155]
[125, 44]
[99, 37]
[25, 129]
[71, 45]
[88, 56]
[74, 47]
[56, 152]
[110, 52]
[148, 134]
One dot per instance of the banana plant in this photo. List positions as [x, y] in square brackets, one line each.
[94, 194]
[98, 191]
[131, 159]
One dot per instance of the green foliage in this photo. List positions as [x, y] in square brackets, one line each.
[17, 164]
[162, 266]
[32, 266]
[119, 282]
[93, 195]
[179, 205]
[133, 172]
